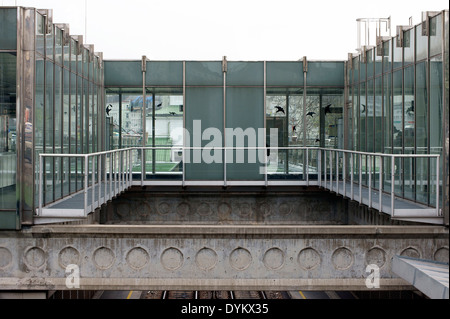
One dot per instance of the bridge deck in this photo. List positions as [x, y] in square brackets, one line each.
[74, 206]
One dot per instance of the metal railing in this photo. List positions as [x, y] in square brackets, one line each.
[338, 170]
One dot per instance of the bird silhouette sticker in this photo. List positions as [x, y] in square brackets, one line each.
[327, 109]
[279, 109]
[310, 113]
[108, 109]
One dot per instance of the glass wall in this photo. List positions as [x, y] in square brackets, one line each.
[211, 104]
[8, 133]
[67, 107]
[401, 107]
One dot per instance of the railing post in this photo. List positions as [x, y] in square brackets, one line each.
[86, 169]
[99, 177]
[93, 182]
[344, 173]
[380, 174]
[331, 170]
[306, 169]
[437, 186]
[337, 171]
[319, 166]
[40, 184]
[325, 168]
[392, 185]
[143, 165]
[370, 180]
[360, 178]
[352, 172]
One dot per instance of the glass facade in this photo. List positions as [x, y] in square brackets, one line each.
[400, 109]
[390, 99]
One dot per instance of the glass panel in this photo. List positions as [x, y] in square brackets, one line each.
[8, 134]
[408, 46]
[204, 73]
[245, 73]
[398, 54]
[409, 129]
[436, 120]
[168, 133]
[168, 73]
[58, 46]
[244, 118]
[8, 29]
[398, 127]
[378, 133]
[123, 73]
[370, 115]
[387, 129]
[436, 35]
[356, 69]
[378, 59]
[387, 56]
[284, 73]
[40, 31]
[49, 44]
[325, 73]
[204, 111]
[355, 112]
[421, 114]
[362, 116]
[370, 63]
[39, 117]
[421, 44]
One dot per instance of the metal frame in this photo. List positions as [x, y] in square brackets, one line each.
[120, 179]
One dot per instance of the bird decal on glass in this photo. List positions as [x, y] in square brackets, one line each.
[279, 109]
[294, 128]
[410, 110]
[310, 113]
[108, 109]
[327, 109]
[172, 113]
[363, 108]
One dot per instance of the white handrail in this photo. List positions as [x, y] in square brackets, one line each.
[121, 171]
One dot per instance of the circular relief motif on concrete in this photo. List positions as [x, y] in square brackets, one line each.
[204, 209]
[137, 258]
[34, 257]
[206, 258]
[224, 210]
[265, 208]
[172, 258]
[68, 256]
[104, 258]
[342, 258]
[377, 256]
[123, 209]
[164, 208]
[410, 252]
[274, 258]
[285, 209]
[240, 258]
[144, 209]
[5, 257]
[245, 210]
[309, 258]
[440, 255]
[183, 209]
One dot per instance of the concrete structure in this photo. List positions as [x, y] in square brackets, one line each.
[313, 175]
